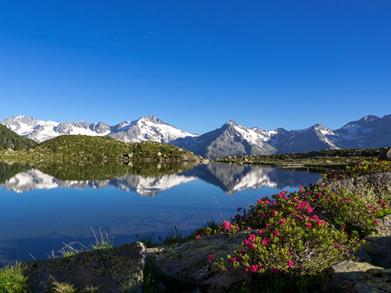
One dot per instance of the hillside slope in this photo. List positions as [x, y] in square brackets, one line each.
[82, 149]
[11, 140]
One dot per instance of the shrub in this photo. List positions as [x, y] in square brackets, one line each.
[343, 209]
[367, 167]
[13, 280]
[286, 236]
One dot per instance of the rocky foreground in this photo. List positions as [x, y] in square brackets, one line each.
[184, 268]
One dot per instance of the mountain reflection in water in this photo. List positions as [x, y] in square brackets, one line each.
[230, 178]
[43, 208]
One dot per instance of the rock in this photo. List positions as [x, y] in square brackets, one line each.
[377, 247]
[375, 186]
[349, 266]
[388, 155]
[373, 272]
[112, 270]
[155, 250]
[384, 227]
[188, 263]
[350, 276]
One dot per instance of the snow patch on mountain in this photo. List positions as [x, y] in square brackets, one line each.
[41, 130]
[147, 129]
[144, 129]
[252, 135]
[326, 135]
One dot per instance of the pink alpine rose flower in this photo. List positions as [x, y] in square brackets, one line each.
[265, 241]
[291, 263]
[251, 237]
[276, 233]
[227, 226]
[211, 258]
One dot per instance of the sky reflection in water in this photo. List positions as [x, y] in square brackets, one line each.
[38, 212]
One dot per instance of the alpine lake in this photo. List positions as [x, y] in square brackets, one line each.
[43, 211]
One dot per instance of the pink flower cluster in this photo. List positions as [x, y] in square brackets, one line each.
[211, 258]
[263, 202]
[282, 195]
[227, 226]
[303, 205]
[249, 241]
[253, 268]
[270, 225]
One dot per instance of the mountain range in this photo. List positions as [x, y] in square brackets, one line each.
[143, 129]
[230, 139]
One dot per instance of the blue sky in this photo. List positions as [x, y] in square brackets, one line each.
[197, 64]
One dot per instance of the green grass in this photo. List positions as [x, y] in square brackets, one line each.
[13, 280]
[61, 287]
[351, 162]
[71, 249]
[81, 150]
[102, 240]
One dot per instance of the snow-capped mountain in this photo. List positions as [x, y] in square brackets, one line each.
[41, 130]
[369, 131]
[230, 139]
[235, 139]
[314, 138]
[147, 129]
[144, 129]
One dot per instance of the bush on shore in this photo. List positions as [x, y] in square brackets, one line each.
[13, 280]
[285, 235]
[299, 234]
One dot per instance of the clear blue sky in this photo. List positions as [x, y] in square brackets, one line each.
[197, 64]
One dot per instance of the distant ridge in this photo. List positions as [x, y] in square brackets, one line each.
[230, 139]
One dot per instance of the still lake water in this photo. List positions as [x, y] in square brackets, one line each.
[39, 213]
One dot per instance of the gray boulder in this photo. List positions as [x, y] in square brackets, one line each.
[188, 263]
[388, 155]
[375, 186]
[358, 277]
[112, 270]
[377, 247]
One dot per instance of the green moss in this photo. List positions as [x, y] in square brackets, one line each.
[13, 280]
